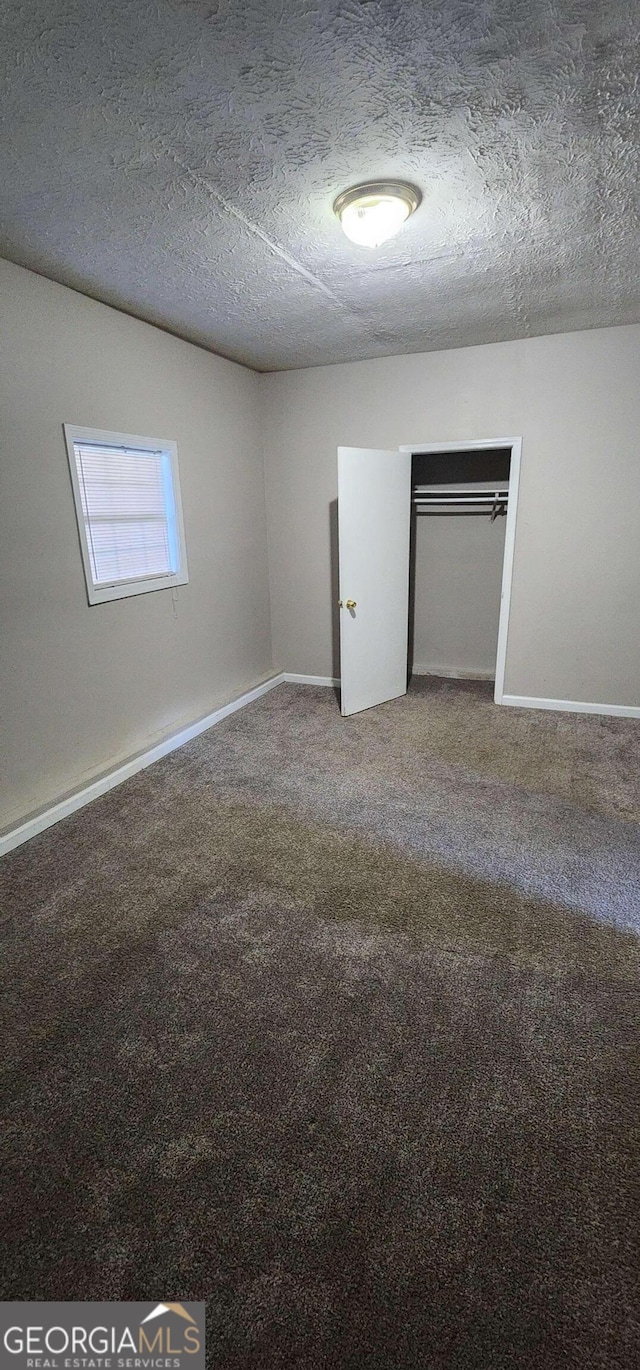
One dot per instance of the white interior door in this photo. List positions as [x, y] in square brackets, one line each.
[374, 509]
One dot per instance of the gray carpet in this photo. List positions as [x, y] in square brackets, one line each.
[334, 1024]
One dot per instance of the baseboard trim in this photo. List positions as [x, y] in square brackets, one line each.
[292, 678]
[453, 673]
[572, 706]
[46, 818]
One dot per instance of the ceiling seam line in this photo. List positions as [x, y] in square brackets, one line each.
[280, 252]
[254, 228]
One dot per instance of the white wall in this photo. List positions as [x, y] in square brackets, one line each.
[574, 398]
[81, 687]
[457, 586]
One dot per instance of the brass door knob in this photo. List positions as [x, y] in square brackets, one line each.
[348, 604]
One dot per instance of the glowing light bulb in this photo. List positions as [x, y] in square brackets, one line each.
[371, 214]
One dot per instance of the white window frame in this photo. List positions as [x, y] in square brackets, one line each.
[98, 594]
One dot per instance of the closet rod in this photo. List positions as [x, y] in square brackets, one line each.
[485, 491]
[466, 499]
[494, 505]
[462, 508]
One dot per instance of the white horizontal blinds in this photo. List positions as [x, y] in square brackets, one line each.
[129, 516]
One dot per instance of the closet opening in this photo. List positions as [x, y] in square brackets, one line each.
[459, 500]
[463, 499]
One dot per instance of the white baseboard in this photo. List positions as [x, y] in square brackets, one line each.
[453, 672]
[108, 781]
[293, 679]
[572, 706]
[46, 818]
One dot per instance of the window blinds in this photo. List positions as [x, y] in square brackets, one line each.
[129, 512]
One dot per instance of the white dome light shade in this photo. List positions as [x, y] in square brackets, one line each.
[372, 213]
[370, 222]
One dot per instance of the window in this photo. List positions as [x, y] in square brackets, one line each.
[127, 497]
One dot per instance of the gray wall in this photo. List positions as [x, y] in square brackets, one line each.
[457, 586]
[575, 621]
[82, 688]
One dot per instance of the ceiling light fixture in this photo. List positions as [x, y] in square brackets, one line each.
[375, 211]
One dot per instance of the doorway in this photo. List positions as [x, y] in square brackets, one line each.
[376, 493]
[464, 498]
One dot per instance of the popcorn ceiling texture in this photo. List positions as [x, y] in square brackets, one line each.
[180, 161]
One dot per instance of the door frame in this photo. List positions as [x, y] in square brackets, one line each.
[480, 445]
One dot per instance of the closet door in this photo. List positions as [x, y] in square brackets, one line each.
[374, 506]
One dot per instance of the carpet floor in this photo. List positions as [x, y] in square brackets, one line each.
[334, 1024]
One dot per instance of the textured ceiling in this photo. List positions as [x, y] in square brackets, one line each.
[179, 159]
